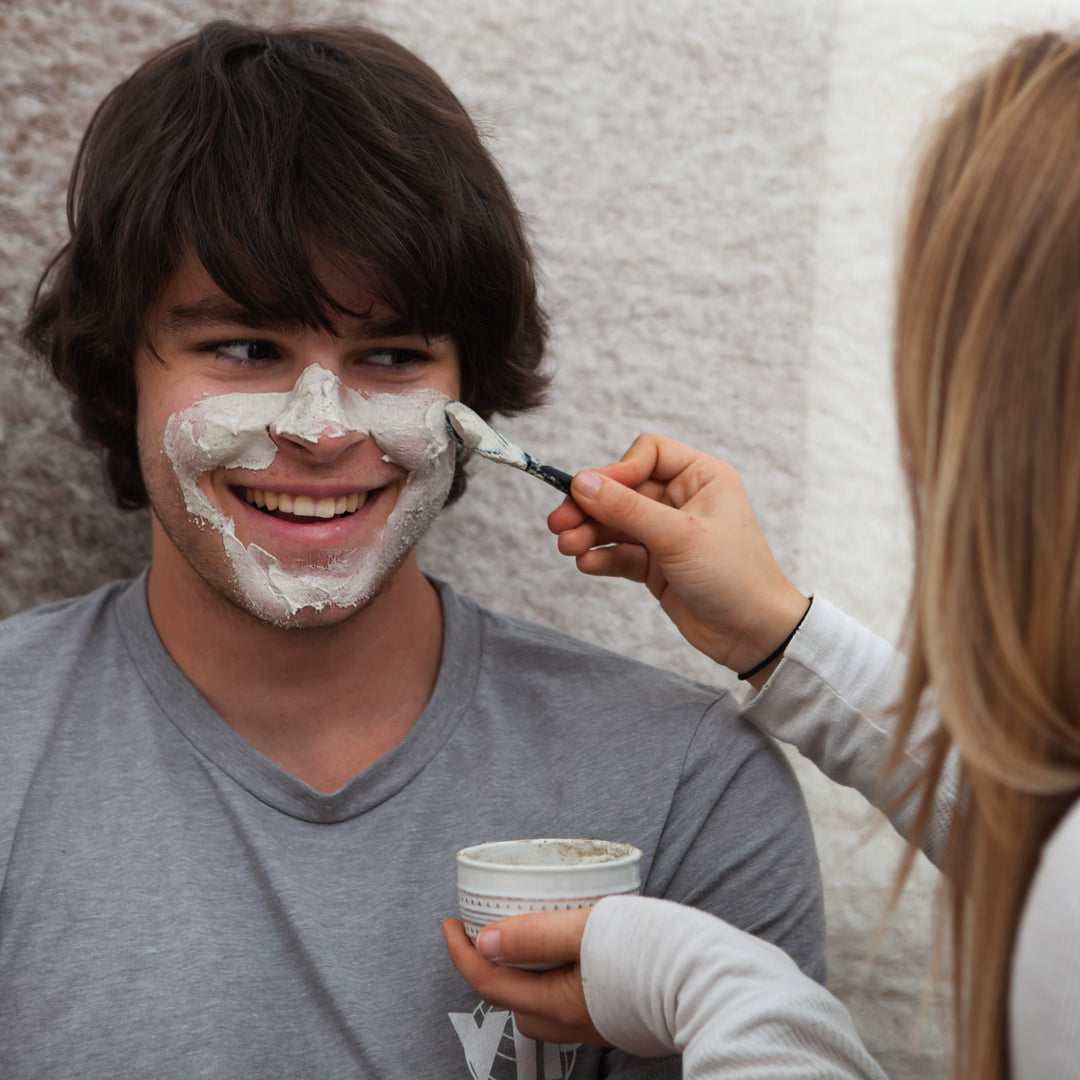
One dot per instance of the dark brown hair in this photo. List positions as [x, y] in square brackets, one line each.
[253, 147]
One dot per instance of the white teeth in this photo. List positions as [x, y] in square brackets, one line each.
[328, 506]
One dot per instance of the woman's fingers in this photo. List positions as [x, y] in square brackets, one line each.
[566, 517]
[592, 534]
[547, 1005]
[657, 456]
[630, 561]
[627, 512]
[543, 1029]
[497, 985]
[553, 937]
[569, 514]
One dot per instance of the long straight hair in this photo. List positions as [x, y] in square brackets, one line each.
[987, 377]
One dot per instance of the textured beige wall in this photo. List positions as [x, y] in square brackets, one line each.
[713, 190]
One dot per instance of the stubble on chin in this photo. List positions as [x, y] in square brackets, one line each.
[332, 616]
[202, 549]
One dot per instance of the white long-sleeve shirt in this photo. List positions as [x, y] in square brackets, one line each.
[662, 979]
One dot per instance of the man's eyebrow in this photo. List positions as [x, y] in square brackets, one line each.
[215, 311]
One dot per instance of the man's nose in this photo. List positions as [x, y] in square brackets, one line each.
[319, 446]
[314, 420]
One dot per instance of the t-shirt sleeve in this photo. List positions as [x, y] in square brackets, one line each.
[738, 842]
[660, 979]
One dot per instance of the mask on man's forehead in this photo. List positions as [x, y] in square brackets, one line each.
[233, 431]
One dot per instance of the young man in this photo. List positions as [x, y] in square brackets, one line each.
[233, 787]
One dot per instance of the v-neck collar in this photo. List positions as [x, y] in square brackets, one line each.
[213, 739]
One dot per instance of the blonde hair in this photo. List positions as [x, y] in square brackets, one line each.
[987, 373]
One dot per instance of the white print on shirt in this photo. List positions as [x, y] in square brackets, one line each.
[496, 1050]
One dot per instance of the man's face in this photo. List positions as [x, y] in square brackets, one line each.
[289, 470]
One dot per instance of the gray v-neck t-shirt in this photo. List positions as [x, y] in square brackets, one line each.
[173, 904]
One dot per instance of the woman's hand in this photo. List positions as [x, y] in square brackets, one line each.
[547, 1005]
[681, 522]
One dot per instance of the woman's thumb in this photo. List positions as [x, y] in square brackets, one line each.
[620, 507]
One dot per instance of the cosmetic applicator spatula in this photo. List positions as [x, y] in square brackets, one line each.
[481, 438]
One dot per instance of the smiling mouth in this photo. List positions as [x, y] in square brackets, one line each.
[281, 504]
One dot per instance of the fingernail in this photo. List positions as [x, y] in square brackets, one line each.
[587, 483]
[489, 944]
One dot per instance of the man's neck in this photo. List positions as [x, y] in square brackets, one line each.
[322, 702]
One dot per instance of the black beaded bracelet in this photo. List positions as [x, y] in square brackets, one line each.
[778, 651]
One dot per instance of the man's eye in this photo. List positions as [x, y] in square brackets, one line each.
[394, 358]
[248, 351]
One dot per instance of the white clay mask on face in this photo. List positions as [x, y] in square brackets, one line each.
[232, 431]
